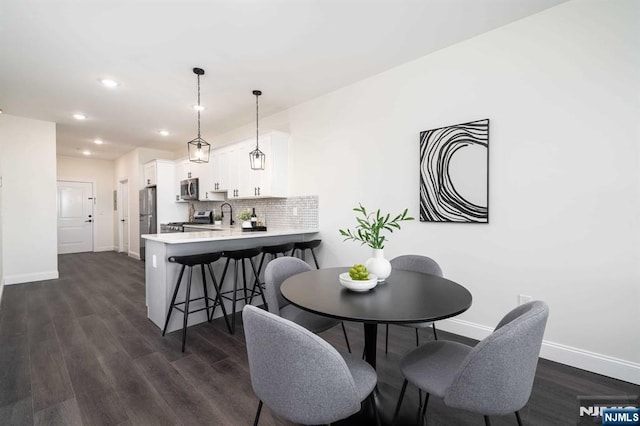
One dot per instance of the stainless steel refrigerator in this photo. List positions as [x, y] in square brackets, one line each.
[148, 218]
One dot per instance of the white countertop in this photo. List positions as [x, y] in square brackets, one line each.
[223, 234]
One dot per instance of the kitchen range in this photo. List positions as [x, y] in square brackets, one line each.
[199, 218]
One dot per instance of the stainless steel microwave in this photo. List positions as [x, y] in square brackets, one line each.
[189, 189]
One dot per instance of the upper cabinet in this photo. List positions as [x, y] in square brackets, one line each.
[236, 176]
[149, 173]
[229, 172]
[162, 174]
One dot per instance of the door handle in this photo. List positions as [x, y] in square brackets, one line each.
[121, 220]
[88, 220]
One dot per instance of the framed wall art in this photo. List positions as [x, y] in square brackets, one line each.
[454, 173]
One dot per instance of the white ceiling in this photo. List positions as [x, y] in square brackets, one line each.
[53, 53]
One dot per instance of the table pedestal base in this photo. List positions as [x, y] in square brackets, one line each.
[386, 398]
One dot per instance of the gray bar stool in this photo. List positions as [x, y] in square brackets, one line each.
[191, 261]
[241, 255]
[307, 245]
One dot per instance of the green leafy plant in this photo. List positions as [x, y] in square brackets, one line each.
[371, 225]
[244, 215]
[217, 217]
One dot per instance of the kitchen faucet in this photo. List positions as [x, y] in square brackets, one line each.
[231, 222]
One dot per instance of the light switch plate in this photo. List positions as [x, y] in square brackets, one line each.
[523, 298]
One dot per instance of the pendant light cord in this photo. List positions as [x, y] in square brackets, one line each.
[198, 105]
[257, 145]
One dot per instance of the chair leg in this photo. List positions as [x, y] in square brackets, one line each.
[315, 259]
[173, 300]
[186, 309]
[346, 339]
[235, 290]
[435, 334]
[244, 280]
[264, 300]
[255, 421]
[257, 281]
[386, 339]
[218, 300]
[424, 407]
[372, 401]
[395, 414]
[518, 418]
[487, 422]
[204, 288]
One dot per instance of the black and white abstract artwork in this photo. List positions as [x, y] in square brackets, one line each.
[454, 173]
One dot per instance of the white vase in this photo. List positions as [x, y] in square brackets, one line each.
[378, 265]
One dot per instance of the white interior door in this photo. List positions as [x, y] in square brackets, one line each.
[75, 217]
[123, 214]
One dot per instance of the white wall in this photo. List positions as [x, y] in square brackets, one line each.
[1, 215]
[101, 174]
[561, 89]
[28, 165]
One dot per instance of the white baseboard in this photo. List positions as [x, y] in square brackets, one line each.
[134, 255]
[27, 278]
[1, 290]
[597, 363]
[103, 248]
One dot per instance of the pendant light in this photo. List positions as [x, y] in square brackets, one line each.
[198, 148]
[256, 156]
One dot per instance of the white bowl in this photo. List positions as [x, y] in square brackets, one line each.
[358, 285]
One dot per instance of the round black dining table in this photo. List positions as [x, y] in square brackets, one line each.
[405, 297]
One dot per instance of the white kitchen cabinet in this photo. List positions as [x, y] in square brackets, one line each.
[273, 181]
[149, 173]
[181, 173]
[167, 209]
[231, 169]
[224, 161]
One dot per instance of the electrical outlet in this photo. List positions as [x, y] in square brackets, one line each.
[295, 211]
[523, 298]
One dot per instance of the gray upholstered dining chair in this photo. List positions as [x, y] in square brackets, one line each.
[279, 270]
[300, 376]
[494, 377]
[415, 263]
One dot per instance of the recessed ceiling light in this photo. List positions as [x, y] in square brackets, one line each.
[97, 141]
[164, 133]
[198, 107]
[86, 152]
[108, 82]
[79, 116]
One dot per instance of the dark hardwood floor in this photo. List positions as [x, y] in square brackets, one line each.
[80, 350]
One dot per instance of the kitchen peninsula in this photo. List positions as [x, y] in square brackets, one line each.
[161, 275]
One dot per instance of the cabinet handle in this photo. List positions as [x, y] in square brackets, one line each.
[148, 181]
[258, 190]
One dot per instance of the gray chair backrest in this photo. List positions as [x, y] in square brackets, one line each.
[497, 376]
[295, 373]
[277, 271]
[416, 263]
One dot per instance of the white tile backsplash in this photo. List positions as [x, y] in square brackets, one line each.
[275, 212]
